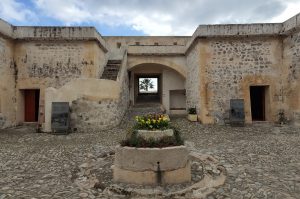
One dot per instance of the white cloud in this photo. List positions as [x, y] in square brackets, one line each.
[68, 11]
[156, 17]
[292, 8]
[14, 10]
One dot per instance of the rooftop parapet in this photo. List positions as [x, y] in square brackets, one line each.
[58, 33]
[6, 29]
[156, 50]
[291, 25]
[51, 33]
[236, 30]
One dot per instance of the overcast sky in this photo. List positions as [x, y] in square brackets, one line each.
[145, 17]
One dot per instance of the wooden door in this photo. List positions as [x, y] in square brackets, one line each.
[30, 108]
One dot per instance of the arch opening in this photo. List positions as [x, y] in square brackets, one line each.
[166, 87]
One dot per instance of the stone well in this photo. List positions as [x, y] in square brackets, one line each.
[152, 166]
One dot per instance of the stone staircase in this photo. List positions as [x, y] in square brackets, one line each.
[111, 70]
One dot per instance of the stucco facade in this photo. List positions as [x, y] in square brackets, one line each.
[217, 63]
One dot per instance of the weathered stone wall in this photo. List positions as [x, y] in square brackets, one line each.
[89, 114]
[7, 83]
[146, 41]
[193, 78]
[229, 66]
[43, 64]
[57, 62]
[291, 55]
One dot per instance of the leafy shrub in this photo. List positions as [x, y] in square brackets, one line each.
[192, 111]
[282, 119]
[133, 140]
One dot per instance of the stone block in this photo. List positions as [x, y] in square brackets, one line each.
[157, 134]
[176, 176]
[134, 177]
[192, 118]
[146, 159]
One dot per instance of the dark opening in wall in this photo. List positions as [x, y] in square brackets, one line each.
[148, 88]
[156, 43]
[137, 43]
[31, 100]
[258, 103]
[175, 43]
[119, 44]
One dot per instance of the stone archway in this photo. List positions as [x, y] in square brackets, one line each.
[171, 88]
[178, 67]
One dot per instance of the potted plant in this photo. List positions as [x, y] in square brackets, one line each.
[153, 153]
[153, 130]
[192, 114]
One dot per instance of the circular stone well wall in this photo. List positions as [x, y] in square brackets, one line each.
[152, 166]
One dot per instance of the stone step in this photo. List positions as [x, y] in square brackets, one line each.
[111, 69]
[114, 61]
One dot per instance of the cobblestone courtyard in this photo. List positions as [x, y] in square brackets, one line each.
[262, 161]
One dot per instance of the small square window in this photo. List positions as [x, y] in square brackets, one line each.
[119, 44]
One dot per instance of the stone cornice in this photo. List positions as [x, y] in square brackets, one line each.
[52, 33]
[243, 30]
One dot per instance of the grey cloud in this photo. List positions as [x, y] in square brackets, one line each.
[181, 15]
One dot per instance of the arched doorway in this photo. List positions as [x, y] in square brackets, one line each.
[166, 86]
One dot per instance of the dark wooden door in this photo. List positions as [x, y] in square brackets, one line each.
[30, 108]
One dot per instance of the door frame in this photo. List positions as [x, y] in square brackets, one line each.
[35, 103]
[266, 102]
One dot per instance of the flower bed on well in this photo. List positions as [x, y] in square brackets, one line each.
[154, 124]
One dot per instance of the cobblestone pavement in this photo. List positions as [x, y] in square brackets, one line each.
[262, 161]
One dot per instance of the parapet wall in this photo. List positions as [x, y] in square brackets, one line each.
[58, 33]
[6, 29]
[291, 25]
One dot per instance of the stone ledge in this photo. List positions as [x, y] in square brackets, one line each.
[177, 176]
[145, 159]
[156, 134]
[6, 29]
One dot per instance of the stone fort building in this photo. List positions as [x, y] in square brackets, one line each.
[99, 75]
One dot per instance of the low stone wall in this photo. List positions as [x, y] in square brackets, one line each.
[90, 115]
[82, 90]
[150, 166]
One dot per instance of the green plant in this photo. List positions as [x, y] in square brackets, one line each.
[192, 111]
[136, 141]
[282, 119]
[152, 122]
[146, 83]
